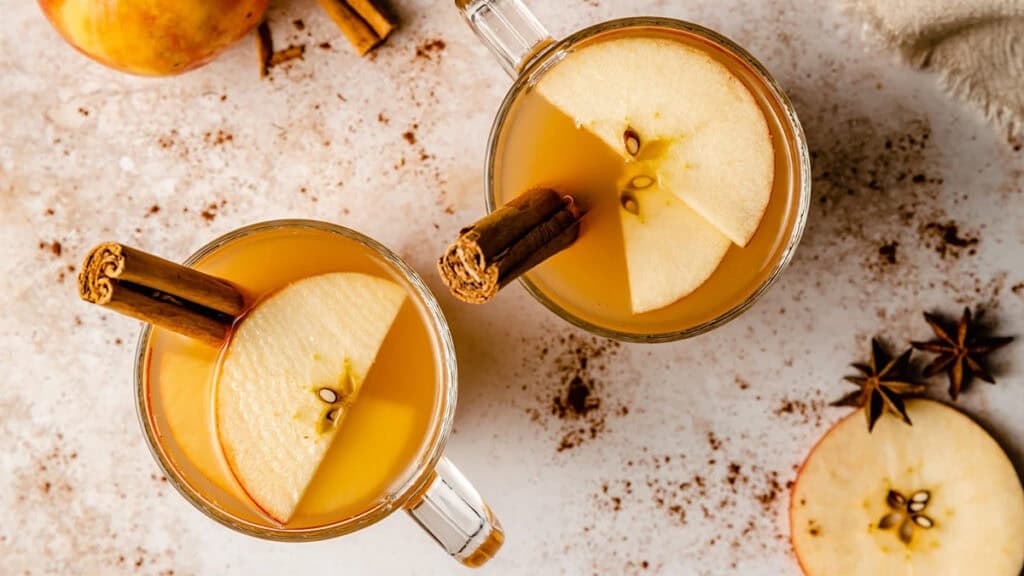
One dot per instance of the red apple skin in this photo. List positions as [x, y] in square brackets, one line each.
[792, 491]
[153, 37]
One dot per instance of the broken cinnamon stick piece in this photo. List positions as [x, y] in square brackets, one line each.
[158, 291]
[362, 37]
[289, 53]
[375, 16]
[264, 47]
[506, 243]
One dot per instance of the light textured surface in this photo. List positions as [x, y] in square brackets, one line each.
[641, 483]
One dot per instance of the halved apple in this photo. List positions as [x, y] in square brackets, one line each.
[293, 367]
[936, 498]
[719, 157]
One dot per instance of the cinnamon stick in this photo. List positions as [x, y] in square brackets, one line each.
[270, 57]
[376, 17]
[506, 243]
[360, 25]
[290, 53]
[158, 291]
[264, 47]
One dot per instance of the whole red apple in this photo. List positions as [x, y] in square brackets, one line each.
[153, 37]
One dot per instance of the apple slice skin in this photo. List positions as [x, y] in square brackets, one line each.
[721, 160]
[322, 331]
[977, 502]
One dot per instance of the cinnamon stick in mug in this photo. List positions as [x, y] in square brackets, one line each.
[508, 242]
[161, 292]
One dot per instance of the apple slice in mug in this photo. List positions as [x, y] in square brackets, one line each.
[670, 250]
[292, 369]
[936, 498]
[719, 158]
[686, 126]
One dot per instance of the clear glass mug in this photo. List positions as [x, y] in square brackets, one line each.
[525, 50]
[433, 491]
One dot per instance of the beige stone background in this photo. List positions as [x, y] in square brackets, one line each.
[393, 146]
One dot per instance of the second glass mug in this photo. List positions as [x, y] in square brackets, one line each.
[526, 51]
[431, 490]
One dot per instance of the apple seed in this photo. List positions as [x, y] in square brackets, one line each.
[629, 203]
[923, 521]
[632, 141]
[895, 499]
[890, 520]
[327, 395]
[640, 182]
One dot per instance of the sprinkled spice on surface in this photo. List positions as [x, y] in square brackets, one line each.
[574, 399]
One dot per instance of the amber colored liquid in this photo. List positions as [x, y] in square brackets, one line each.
[540, 146]
[390, 427]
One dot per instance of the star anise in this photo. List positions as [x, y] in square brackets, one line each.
[883, 382]
[959, 352]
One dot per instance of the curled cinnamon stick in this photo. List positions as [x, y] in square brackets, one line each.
[172, 296]
[506, 243]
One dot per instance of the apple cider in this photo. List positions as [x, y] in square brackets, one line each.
[387, 429]
[540, 145]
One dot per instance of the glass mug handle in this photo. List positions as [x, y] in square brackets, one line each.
[508, 28]
[452, 511]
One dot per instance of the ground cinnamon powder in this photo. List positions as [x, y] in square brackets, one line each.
[574, 399]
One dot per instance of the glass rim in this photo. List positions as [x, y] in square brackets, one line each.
[410, 486]
[554, 53]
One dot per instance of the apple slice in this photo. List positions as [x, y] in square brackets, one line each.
[670, 249]
[936, 498]
[373, 424]
[719, 158]
[293, 366]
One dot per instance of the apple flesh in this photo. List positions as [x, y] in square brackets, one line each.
[293, 367]
[686, 126]
[153, 37]
[969, 511]
[670, 249]
[719, 158]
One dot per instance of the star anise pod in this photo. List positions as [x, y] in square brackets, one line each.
[883, 382]
[959, 352]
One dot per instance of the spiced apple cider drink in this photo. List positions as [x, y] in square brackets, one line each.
[681, 167]
[298, 383]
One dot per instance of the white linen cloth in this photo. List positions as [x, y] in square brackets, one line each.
[976, 47]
